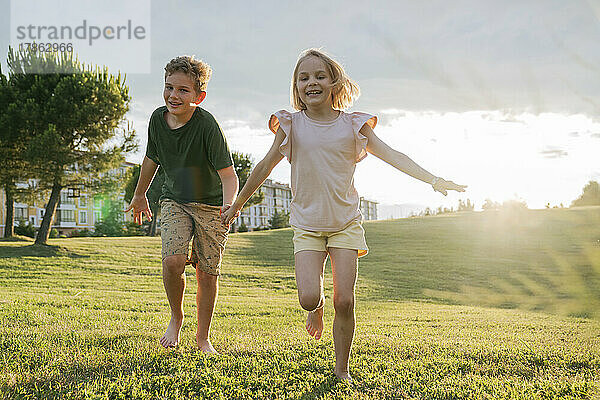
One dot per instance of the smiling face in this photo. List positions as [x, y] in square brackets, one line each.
[314, 83]
[179, 93]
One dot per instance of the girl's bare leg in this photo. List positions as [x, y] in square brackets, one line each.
[344, 265]
[309, 279]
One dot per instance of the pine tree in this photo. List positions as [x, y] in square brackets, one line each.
[75, 114]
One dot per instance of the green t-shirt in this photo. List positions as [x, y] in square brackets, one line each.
[190, 157]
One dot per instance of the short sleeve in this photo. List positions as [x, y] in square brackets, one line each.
[151, 151]
[283, 119]
[359, 119]
[217, 149]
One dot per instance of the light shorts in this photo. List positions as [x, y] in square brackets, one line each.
[352, 237]
[180, 223]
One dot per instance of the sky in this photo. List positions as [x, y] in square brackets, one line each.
[501, 96]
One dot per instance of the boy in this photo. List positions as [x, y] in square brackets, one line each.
[200, 182]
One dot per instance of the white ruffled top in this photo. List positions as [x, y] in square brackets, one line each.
[323, 157]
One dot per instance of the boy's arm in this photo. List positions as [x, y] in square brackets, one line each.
[256, 178]
[403, 163]
[139, 202]
[230, 183]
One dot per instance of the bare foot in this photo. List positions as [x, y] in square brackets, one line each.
[343, 376]
[171, 336]
[205, 346]
[314, 323]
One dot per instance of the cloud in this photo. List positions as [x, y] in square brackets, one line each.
[554, 153]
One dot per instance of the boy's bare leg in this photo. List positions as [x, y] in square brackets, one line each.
[344, 269]
[174, 282]
[309, 279]
[208, 287]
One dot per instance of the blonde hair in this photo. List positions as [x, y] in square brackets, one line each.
[197, 70]
[344, 91]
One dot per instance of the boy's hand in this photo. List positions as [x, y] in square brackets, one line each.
[228, 214]
[442, 186]
[140, 206]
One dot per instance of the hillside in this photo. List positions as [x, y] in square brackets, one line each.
[466, 306]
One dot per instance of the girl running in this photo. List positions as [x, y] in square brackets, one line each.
[323, 145]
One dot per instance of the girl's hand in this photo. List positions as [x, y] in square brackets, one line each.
[228, 214]
[441, 185]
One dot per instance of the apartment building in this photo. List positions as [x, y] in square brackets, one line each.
[368, 208]
[277, 197]
[76, 209]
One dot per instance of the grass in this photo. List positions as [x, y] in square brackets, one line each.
[469, 306]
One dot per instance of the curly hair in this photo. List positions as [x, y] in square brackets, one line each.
[344, 91]
[197, 70]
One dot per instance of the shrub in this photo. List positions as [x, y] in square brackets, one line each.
[25, 229]
[133, 229]
[81, 233]
[279, 220]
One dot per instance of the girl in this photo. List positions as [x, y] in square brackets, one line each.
[323, 145]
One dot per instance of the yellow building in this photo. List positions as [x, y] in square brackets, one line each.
[72, 213]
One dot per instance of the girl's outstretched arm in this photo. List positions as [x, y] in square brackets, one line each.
[403, 163]
[256, 178]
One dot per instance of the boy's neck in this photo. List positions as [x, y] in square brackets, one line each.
[175, 121]
[326, 113]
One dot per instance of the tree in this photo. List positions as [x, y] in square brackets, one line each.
[465, 205]
[74, 113]
[589, 197]
[243, 167]
[514, 205]
[13, 167]
[7, 144]
[112, 219]
[490, 205]
[279, 220]
[153, 194]
[132, 183]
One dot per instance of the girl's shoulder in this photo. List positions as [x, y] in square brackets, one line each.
[359, 118]
[281, 118]
[356, 114]
[286, 114]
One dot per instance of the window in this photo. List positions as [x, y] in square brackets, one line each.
[97, 217]
[97, 202]
[66, 215]
[83, 201]
[65, 199]
[83, 217]
[20, 213]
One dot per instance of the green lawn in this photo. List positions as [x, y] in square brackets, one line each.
[470, 306]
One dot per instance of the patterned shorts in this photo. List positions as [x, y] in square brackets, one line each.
[180, 223]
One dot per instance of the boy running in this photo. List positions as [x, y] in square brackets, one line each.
[200, 182]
